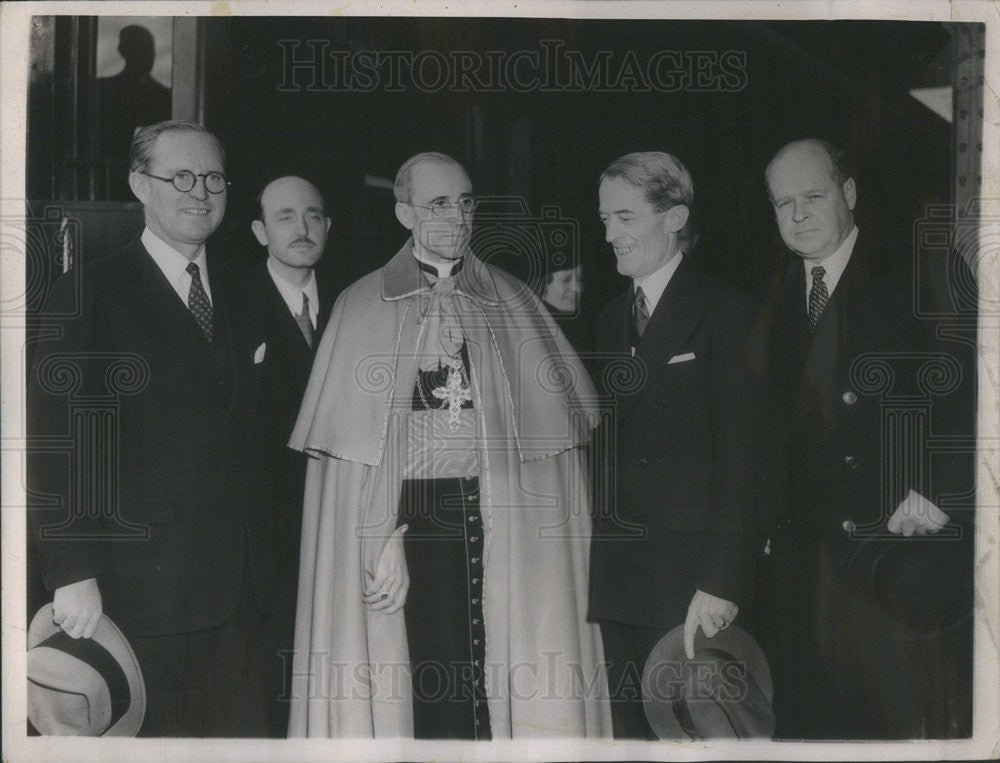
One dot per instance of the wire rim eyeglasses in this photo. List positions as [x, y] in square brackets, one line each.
[442, 207]
[185, 180]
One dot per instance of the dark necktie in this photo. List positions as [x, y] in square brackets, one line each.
[305, 322]
[640, 313]
[818, 297]
[198, 302]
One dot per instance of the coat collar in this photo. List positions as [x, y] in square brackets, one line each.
[402, 278]
[675, 317]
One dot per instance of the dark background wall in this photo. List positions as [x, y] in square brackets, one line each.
[739, 91]
[844, 81]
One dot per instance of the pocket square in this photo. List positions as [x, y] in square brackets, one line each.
[258, 356]
[681, 358]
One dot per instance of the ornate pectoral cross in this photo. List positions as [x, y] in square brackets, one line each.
[454, 392]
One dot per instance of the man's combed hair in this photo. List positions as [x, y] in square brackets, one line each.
[140, 153]
[663, 179]
[402, 187]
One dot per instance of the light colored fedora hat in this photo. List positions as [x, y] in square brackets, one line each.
[83, 686]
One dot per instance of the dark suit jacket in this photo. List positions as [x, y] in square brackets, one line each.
[872, 370]
[142, 472]
[848, 417]
[283, 377]
[672, 503]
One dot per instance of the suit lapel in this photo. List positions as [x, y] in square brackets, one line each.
[226, 340]
[170, 318]
[835, 341]
[293, 345]
[676, 315]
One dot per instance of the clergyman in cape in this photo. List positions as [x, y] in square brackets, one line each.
[446, 534]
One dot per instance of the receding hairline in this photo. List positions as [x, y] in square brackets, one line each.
[439, 162]
[404, 176]
[272, 182]
[810, 145]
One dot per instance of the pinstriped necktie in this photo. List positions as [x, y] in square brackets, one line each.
[818, 297]
[198, 302]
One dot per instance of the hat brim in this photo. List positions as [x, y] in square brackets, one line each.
[111, 638]
[669, 651]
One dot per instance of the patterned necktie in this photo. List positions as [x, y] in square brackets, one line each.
[305, 322]
[198, 302]
[640, 313]
[818, 297]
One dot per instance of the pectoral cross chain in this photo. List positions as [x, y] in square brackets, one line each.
[454, 392]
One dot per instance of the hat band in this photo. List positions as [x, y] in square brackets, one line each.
[100, 659]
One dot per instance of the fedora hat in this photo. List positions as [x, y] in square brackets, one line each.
[84, 686]
[725, 691]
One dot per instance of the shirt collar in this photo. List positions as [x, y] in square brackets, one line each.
[834, 265]
[443, 269]
[402, 277]
[292, 294]
[172, 263]
[656, 282]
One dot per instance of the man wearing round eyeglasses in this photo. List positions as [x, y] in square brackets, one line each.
[445, 528]
[166, 538]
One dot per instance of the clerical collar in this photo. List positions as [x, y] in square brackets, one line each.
[439, 269]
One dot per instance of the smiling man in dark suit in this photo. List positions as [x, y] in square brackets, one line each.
[292, 299]
[154, 518]
[668, 540]
[870, 581]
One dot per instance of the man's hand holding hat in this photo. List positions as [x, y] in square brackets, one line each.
[76, 608]
[711, 613]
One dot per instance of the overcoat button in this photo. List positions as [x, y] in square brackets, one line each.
[643, 462]
[850, 462]
[849, 398]
[848, 526]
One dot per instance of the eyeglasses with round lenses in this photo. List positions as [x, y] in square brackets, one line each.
[185, 180]
[442, 207]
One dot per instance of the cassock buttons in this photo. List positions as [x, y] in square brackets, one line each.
[849, 398]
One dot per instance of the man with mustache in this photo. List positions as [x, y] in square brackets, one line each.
[154, 517]
[670, 536]
[292, 298]
[445, 532]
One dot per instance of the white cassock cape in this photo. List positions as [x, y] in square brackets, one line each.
[534, 407]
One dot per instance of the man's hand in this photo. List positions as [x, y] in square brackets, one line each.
[76, 608]
[915, 514]
[711, 613]
[387, 592]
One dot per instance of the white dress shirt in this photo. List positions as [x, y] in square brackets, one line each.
[833, 265]
[173, 264]
[656, 282]
[293, 294]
